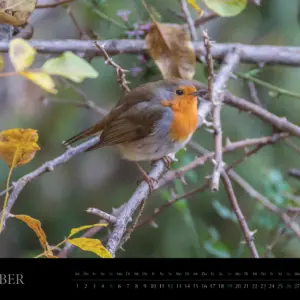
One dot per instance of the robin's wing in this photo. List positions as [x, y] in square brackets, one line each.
[142, 93]
[133, 125]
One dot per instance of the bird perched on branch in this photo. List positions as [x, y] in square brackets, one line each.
[150, 122]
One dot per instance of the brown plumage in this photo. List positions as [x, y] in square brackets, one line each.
[150, 121]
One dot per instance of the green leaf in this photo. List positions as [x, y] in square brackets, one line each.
[217, 249]
[214, 234]
[224, 212]
[181, 205]
[165, 194]
[71, 66]
[226, 8]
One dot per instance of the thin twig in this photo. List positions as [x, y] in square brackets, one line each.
[293, 146]
[119, 70]
[107, 217]
[253, 94]
[189, 20]
[46, 167]
[206, 185]
[89, 105]
[55, 4]
[91, 232]
[294, 173]
[281, 123]
[280, 233]
[245, 185]
[86, 101]
[209, 63]
[262, 141]
[230, 63]
[265, 202]
[241, 219]
[269, 86]
[204, 19]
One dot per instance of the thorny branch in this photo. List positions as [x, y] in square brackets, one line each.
[264, 54]
[241, 219]
[120, 71]
[262, 141]
[240, 181]
[52, 4]
[288, 56]
[189, 19]
[171, 175]
[142, 191]
[231, 61]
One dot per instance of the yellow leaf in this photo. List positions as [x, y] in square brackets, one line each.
[18, 139]
[171, 48]
[92, 245]
[75, 230]
[41, 79]
[195, 6]
[21, 54]
[70, 66]
[35, 225]
[1, 63]
[16, 12]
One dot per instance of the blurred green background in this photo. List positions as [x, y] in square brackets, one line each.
[201, 226]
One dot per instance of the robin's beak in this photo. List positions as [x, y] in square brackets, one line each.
[199, 93]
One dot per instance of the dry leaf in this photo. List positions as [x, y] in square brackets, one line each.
[41, 79]
[24, 141]
[172, 50]
[35, 225]
[21, 54]
[75, 230]
[16, 12]
[92, 245]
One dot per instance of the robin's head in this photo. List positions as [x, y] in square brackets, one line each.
[179, 94]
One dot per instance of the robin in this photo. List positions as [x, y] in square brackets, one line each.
[150, 122]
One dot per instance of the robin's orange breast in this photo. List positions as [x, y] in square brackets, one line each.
[185, 117]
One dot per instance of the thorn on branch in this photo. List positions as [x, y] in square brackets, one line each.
[107, 217]
[121, 79]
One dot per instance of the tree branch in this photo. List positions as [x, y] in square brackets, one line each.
[262, 141]
[140, 194]
[55, 4]
[241, 219]
[280, 122]
[230, 62]
[46, 167]
[264, 54]
[189, 19]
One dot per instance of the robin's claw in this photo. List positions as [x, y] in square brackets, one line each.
[151, 181]
[168, 159]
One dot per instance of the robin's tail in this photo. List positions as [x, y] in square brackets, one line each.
[94, 130]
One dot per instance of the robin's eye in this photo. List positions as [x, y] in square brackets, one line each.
[179, 92]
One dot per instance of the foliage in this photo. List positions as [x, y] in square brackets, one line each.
[226, 8]
[68, 65]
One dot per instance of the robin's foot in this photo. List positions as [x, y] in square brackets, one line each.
[168, 159]
[148, 179]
